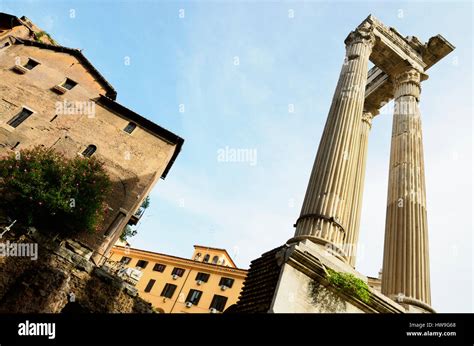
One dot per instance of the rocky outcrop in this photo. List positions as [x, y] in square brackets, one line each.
[61, 279]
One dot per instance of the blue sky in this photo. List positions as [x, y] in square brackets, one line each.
[236, 68]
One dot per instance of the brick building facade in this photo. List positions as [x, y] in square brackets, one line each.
[54, 97]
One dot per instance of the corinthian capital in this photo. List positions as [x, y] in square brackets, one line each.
[367, 117]
[363, 34]
[408, 76]
[408, 82]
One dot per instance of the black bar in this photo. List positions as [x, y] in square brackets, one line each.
[223, 329]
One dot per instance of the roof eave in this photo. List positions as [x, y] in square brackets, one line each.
[110, 91]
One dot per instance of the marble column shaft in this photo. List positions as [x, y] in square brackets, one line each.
[328, 199]
[356, 209]
[406, 260]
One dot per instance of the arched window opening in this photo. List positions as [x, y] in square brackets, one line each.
[89, 151]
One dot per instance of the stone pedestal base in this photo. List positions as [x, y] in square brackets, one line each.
[304, 278]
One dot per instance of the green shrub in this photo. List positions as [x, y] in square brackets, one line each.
[349, 284]
[40, 34]
[43, 188]
[127, 233]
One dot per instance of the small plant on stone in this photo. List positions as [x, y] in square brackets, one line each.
[40, 34]
[349, 284]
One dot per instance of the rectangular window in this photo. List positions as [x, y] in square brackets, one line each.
[228, 282]
[20, 117]
[150, 285]
[194, 296]
[168, 291]
[130, 127]
[125, 260]
[178, 271]
[31, 64]
[159, 267]
[218, 302]
[69, 84]
[141, 264]
[204, 277]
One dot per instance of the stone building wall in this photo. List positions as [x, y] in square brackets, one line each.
[69, 121]
[134, 162]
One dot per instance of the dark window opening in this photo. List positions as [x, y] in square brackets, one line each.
[130, 127]
[141, 264]
[206, 258]
[89, 151]
[20, 117]
[218, 303]
[168, 290]
[159, 267]
[150, 285]
[31, 64]
[69, 84]
[178, 271]
[215, 259]
[194, 296]
[226, 282]
[125, 260]
[204, 277]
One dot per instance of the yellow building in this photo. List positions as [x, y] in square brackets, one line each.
[209, 282]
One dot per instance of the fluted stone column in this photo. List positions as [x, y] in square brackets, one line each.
[324, 214]
[406, 262]
[356, 209]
